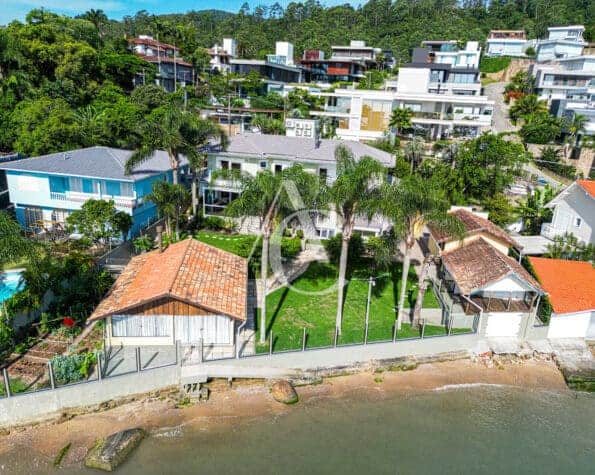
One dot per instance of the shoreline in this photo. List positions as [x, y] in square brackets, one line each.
[250, 401]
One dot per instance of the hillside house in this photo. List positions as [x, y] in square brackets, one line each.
[45, 190]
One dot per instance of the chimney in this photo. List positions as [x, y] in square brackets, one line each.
[159, 230]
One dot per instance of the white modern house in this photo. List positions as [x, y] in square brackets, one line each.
[574, 212]
[441, 88]
[250, 153]
[507, 43]
[562, 42]
[568, 86]
[571, 292]
[222, 55]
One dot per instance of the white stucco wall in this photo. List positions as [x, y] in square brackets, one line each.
[572, 325]
[412, 80]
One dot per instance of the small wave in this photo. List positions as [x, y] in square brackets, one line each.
[450, 387]
[169, 432]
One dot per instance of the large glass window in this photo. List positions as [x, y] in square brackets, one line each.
[126, 189]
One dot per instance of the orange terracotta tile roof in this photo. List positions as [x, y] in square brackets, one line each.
[570, 284]
[473, 224]
[588, 186]
[478, 264]
[189, 271]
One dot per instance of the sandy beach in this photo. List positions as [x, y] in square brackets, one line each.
[251, 399]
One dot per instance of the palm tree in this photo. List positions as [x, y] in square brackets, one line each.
[525, 107]
[533, 211]
[411, 205]
[177, 132]
[576, 126]
[353, 193]
[266, 197]
[172, 201]
[400, 119]
[413, 150]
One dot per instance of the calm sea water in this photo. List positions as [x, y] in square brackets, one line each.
[474, 430]
[9, 284]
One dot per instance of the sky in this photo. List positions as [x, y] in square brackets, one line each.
[116, 9]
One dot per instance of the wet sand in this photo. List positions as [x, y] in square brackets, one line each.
[251, 400]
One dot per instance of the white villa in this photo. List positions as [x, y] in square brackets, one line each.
[249, 153]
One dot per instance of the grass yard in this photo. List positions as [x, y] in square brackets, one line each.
[240, 244]
[290, 311]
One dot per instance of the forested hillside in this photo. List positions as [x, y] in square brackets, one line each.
[66, 82]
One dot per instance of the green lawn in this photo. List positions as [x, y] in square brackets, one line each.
[240, 244]
[289, 311]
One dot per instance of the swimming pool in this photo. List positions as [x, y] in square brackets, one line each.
[10, 283]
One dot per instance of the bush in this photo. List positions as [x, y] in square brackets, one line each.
[550, 160]
[72, 368]
[493, 65]
[355, 251]
[143, 243]
[541, 128]
[291, 247]
[214, 223]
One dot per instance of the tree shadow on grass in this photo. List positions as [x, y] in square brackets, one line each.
[271, 322]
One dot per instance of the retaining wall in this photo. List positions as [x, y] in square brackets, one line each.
[27, 408]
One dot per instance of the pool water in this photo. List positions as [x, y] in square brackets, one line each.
[10, 283]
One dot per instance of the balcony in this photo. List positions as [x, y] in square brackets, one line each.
[78, 197]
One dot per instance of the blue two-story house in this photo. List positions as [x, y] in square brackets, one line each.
[45, 189]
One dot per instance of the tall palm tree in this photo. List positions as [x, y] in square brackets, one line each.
[266, 197]
[411, 205]
[353, 193]
[172, 202]
[176, 131]
[525, 107]
[532, 210]
[400, 119]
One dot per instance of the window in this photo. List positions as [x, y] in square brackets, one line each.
[263, 164]
[75, 184]
[578, 222]
[323, 173]
[59, 215]
[236, 166]
[278, 168]
[126, 189]
[224, 164]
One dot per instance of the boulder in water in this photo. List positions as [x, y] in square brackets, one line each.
[107, 454]
[284, 392]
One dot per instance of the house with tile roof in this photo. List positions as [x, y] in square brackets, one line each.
[250, 153]
[45, 190]
[573, 212]
[475, 226]
[480, 278]
[571, 292]
[190, 292]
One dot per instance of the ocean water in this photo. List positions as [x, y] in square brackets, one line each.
[9, 283]
[474, 429]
